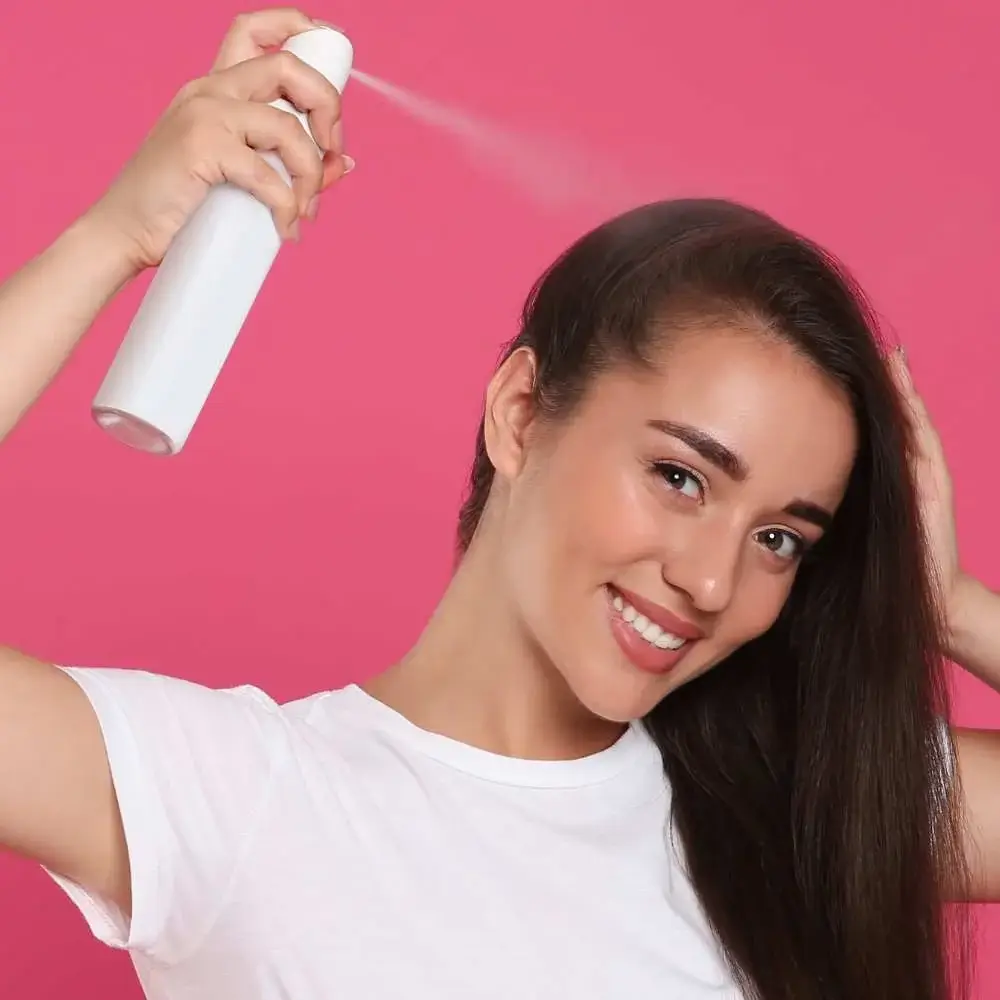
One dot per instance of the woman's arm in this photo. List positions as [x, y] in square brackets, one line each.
[974, 627]
[978, 756]
[974, 643]
[48, 306]
[57, 802]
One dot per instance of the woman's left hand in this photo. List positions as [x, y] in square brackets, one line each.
[971, 610]
[934, 493]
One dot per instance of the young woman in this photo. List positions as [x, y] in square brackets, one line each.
[678, 725]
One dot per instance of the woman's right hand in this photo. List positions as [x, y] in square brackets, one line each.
[213, 132]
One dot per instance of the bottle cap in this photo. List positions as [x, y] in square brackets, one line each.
[327, 50]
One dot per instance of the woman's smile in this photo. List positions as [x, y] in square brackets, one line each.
[650, 636]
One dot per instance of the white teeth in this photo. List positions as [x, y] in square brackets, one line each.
[668, 641]
[650, 631]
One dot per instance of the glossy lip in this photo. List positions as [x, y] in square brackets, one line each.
[640, 653]
[667, 620]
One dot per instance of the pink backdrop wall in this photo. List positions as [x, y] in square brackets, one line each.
[305, 533]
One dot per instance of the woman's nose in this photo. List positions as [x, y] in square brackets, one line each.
[706, 568]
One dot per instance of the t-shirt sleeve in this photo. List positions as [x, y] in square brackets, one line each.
[192, 767]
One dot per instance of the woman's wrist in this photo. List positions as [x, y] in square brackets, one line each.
[108, 255]
[973, 629]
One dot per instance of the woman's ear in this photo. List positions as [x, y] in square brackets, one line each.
[510, 410]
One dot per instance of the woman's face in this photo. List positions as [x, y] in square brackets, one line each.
[661, 526]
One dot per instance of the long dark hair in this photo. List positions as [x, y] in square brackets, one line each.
[811, 771]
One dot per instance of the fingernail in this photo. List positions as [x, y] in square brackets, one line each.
[312, 209]
[349, 164]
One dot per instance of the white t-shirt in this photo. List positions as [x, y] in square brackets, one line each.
[328, 849]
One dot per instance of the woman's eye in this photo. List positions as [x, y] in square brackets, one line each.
[679, 479]
[781, 543]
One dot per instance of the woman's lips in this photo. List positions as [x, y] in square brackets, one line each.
[654, 649]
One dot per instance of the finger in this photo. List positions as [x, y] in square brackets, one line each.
[904, 383]
[337, 137]
[926, 443]
[898, 369]
[268, 129]
[281, 74]
[336, 163]
[334, 168]
[253, 34]
[248, 170]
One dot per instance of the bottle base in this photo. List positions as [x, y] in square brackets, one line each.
[132, 431]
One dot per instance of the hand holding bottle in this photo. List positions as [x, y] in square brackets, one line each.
[215, 130]
[219, 128]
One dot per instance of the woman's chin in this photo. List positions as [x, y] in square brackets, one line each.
[617, 699]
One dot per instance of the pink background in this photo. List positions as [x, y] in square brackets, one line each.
[304, 535]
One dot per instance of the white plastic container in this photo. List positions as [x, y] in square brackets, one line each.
[201, 294]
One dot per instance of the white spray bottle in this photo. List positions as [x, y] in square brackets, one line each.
[201, 294]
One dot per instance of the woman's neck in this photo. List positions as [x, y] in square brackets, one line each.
[475, 675]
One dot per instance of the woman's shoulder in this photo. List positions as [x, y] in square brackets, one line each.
[166, 709]
[163, 687]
